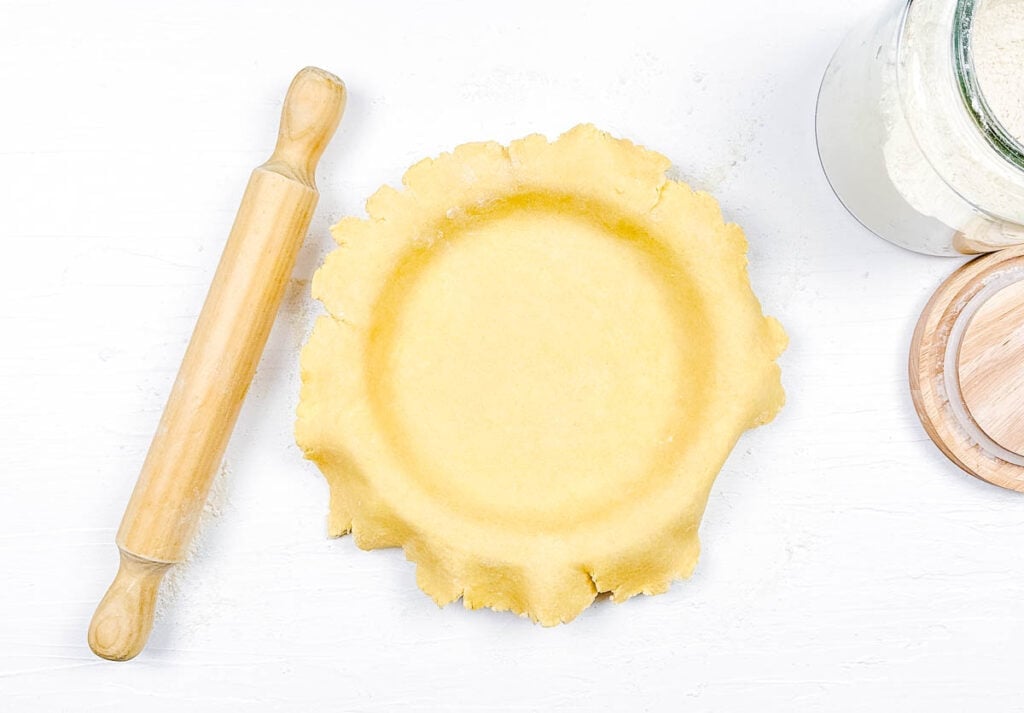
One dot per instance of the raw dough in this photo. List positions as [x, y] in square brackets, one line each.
[536, 361]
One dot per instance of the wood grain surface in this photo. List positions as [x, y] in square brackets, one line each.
[990, 365]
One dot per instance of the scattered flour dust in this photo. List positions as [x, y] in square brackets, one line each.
[174, 592]
[177, 591]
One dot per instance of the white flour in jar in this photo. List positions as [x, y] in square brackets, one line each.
[998, 54]
[998, 42]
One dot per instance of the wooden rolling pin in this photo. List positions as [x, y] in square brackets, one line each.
[219, 364]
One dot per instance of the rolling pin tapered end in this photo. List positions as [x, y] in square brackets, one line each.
[311, 113]
[124, 617]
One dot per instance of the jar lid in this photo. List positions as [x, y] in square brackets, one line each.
[967, 368]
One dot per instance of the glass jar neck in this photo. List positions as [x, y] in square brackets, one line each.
[966, 73]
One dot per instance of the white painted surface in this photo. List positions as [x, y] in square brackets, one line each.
[847, 566]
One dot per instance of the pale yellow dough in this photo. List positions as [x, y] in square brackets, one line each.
[536, 361]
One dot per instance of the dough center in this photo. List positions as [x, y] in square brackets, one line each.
[535, 367]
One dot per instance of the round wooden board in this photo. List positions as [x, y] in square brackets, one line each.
[966, 370]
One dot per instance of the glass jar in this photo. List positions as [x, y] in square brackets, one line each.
[908, 136]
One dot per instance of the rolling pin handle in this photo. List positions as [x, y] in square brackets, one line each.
[124, 617]
[312, 110]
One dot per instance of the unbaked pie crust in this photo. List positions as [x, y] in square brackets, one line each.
[536, 361]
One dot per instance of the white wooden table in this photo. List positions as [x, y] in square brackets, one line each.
[846, 566]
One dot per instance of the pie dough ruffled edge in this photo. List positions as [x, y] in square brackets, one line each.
[594, 166]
